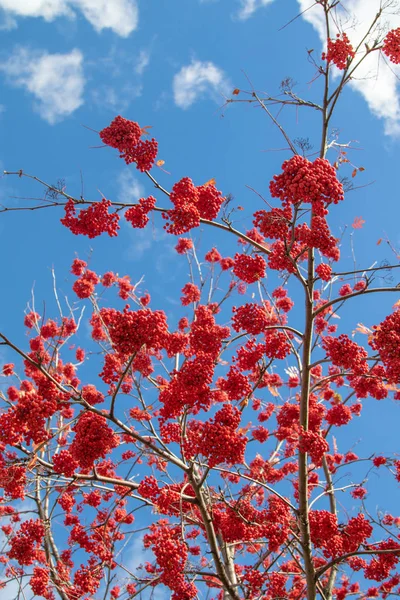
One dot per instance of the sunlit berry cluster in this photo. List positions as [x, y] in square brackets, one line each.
[124, 135]
[305, 181]
[386, 340]
[191, 204]
[92, 221]
[249, 268]
[137, 215]
[391, 46]
[339, 51]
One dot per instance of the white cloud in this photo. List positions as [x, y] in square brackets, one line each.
[249, 7]
[115, 99]
[119, 15]
[129, 187]
[55, 80]
[199, 79]
[142, 61]
[376, 80]
[7, 22]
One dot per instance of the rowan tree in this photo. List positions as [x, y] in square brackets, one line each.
[209, 441]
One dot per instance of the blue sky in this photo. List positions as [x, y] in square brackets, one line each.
[68, 67]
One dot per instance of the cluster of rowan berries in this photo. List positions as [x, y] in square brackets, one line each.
[91, 221]
[191, 204]
[391, 46]
[386, 340]
[124, 135]
[339, 51]
[137, 215]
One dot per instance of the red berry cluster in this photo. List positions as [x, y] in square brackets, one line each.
[241, 522]
[283, 259]
[324, 271]
[345, 353]
[379, 567]
[64, 463]
[191, 293]
[274, 224]
[8, 369]
[92, 221]
[386, 340]
[253, 318]
[277, 344]
[143, 154]
[137, 215]
[205, 335]
[339, 415]
[213, 256]
[218, 439]
[171, 555]
[39, 583]
[249, 268]
[319, 236]
[391, 46]
[130, 330]
[339, 51]
[121, 134]
[336, 541]
[189, 387]
[183, 245]
[25, 544]
[236, 385]
[282, 300]
[305, 181]
[93, 439]
[124, 135]
[315, 445]
[249, 355]
[191, 204]
[84, 286]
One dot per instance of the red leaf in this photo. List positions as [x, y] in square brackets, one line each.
[358, 223]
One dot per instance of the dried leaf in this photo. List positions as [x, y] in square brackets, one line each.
[362, 329]
[160, 163]
[236, 92]
[32, 462]
[243, 403]
[210, 182]
[144, 130]
[354, 173]
[396, 304]
[358, 223]
[273, 391]
[244, 430]
[379, 242]
[361, 168]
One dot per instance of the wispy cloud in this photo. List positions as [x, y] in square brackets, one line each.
[7, 21]
[121, 16]
[249, 7]
[129, 187]
[56, 81]
[197, 80]
[142, 61]
[116, 66]
[116, 99]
